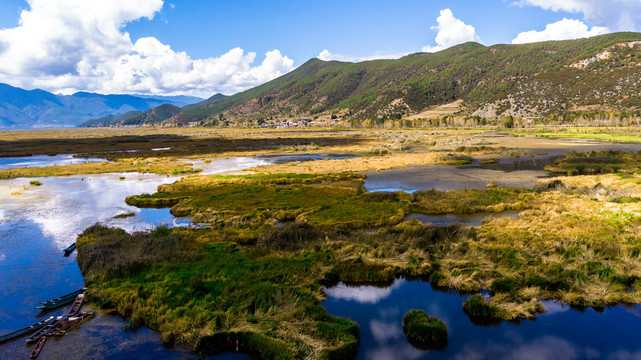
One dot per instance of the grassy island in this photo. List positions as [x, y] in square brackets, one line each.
[162, 166]
[423, 331]
[597, 162]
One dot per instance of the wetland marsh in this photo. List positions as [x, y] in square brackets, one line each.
[285, 236]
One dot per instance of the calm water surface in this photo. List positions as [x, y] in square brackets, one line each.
[43, 160]
[559, 333]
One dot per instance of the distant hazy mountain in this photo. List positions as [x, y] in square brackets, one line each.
[21, 108]
[109, 119]
[212, 99]
[152, 116]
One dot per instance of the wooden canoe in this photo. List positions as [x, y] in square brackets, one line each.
[36, 351]
[70, 249]
[77, 305]
[26, 330]
[60, 301]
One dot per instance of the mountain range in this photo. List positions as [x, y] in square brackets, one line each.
[21, 108]
[538, 79]
[546, 79]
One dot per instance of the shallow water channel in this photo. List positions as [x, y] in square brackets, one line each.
[42, 220]
[43, 160]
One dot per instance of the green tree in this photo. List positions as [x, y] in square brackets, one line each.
[508, 122]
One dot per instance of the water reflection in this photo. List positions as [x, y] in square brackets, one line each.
[364, 294]
[281, 159]
[43, 160]
[445, 178]
[559, 333]
[64, 206]
[222, 165]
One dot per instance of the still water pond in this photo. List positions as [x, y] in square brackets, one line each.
[559, 333]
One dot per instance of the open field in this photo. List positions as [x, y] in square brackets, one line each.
[613, 134]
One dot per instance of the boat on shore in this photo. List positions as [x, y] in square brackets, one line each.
[60, 301]
[36, 351]
[70, 249]
[69, 323]
[26, 330]
[77, 305]
[60, 326]
[48, 330]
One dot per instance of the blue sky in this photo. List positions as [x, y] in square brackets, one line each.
[227, 41]
[302, 29]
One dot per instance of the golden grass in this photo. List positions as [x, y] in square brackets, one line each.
[377, 163]
[148, 165]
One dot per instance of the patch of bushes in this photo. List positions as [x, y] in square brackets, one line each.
[289, 236]
[380, 196]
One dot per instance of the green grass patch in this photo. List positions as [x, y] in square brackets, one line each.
[255, 199]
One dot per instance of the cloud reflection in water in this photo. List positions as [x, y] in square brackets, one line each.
[362, 294]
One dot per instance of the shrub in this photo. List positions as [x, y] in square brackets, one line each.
[424, 331]
[380, 196]
[160, 231]
[436, 277]
[35, 183]
[504, 285]
[478, 306]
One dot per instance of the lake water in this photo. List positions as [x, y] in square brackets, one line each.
[43, 160]
[34, 228]
[559, 333]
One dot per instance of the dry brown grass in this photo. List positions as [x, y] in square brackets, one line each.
[377, 163]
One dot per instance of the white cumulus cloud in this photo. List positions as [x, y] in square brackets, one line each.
[71, 45]
[566, 29]
[616, 15]
[451, 31]
[326, 55]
